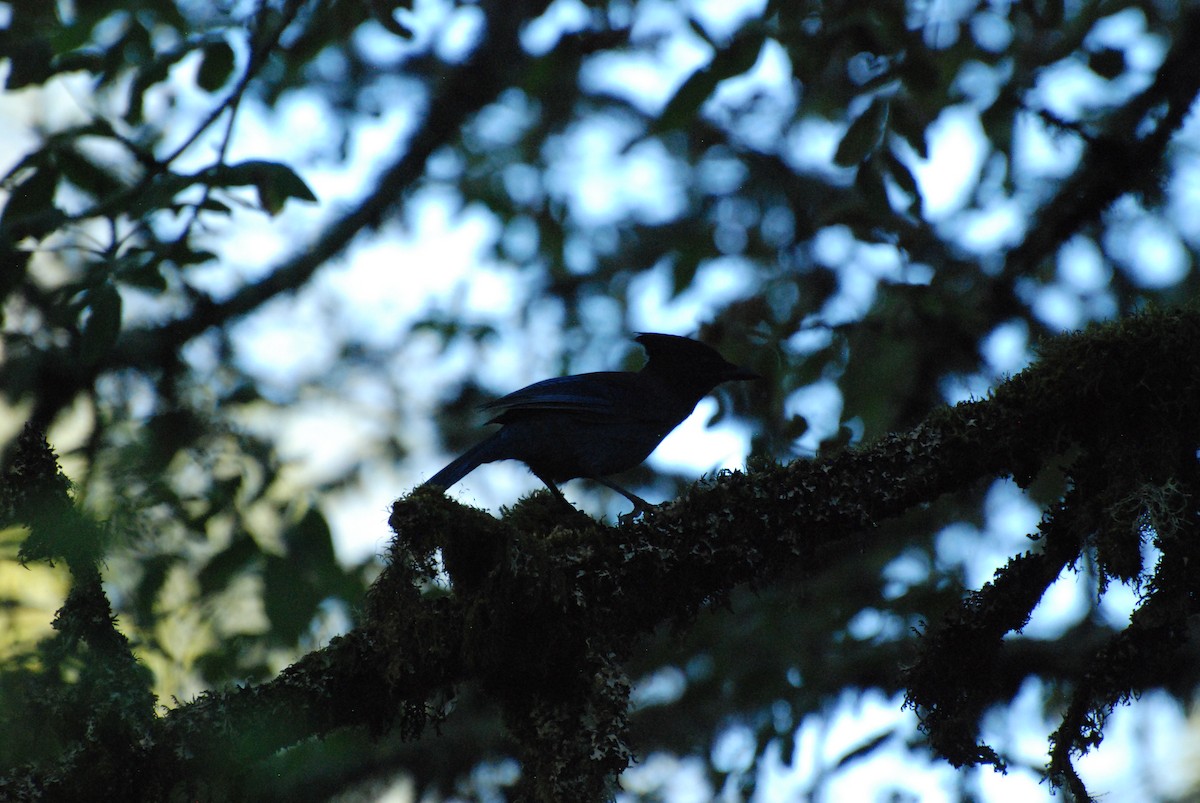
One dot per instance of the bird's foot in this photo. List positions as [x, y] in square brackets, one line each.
[640, 505]
[631, 516]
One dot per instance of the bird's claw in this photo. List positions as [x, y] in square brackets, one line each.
[628, 518]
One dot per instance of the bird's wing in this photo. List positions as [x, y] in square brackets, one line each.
[594, 396]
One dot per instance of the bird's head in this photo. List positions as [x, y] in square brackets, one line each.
[689, 363]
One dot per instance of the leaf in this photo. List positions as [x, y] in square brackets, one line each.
[14, 267]
[141, 269]
[103, 323]
[385, 14]
[865, 748]
[904, 120]
[165, 435]
[876, 207]
[216, 66]
[213, 205]
[154, 572]
[864, 135]
[30, 211]
[274, 181]
[1048, 13]
[310, 542]
[683, 268]
[153, 71]
[181, 252]
[796, 426]
[241, 554]
[30, 60]
[31, 31]
[1108, 63]
[133, 47]
[85, 174]
[289, 603]
[159, 194]
[242, 393]
[294, 587]
[735, 59]
[899, 172]
[273, 194]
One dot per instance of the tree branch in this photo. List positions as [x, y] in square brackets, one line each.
[1125, 157]
[547, 603]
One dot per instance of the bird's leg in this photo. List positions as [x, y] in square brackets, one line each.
[553, 489]
[640, 505]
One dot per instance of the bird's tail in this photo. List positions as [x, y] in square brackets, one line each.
[464, 464]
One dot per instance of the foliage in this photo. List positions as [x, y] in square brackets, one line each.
[787, 160]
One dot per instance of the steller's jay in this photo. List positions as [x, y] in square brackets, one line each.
[593, 425]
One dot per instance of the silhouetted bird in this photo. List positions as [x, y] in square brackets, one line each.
[594, 425]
